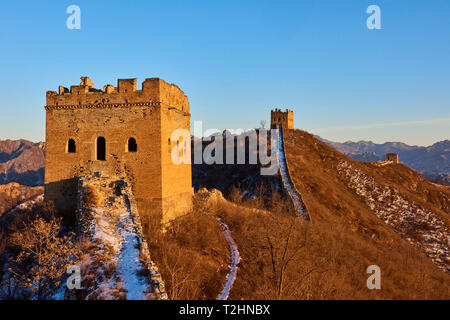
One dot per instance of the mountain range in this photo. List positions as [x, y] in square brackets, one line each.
[433, 162]
[23, 161]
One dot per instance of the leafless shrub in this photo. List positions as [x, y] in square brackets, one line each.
[43, 256]
[192, 255]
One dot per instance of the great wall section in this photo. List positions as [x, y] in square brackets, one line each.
[108, 157]
[289, 187]
[107, 215]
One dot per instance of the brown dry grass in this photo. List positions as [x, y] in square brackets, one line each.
[192, 255]
[341, 221]
[283, 257]
[328, 260]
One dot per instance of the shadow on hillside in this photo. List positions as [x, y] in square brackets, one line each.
[225, 177]
[30, 178]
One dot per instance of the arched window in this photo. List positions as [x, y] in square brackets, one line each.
[131, 145]
[101, 148]
[71, 147]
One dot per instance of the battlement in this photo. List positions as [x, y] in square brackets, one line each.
[154, 91]
[282, 118]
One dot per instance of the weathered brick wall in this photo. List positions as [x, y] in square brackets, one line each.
[148, 115]
[176, 178]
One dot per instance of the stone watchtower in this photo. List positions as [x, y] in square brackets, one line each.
[392, 157]
[119, 131]
[280, 118]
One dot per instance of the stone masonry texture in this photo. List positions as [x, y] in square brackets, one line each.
[162, 189]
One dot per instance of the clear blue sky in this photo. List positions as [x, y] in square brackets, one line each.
[238, 59]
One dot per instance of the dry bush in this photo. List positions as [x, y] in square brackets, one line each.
[192, 255]
[43, 256]
[90, 197]
[39, 247]
[14, 222]
[272, 248]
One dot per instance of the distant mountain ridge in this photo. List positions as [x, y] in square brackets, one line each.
[22, 161]
[433, 162]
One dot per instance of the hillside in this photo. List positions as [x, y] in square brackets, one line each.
[433, 162]
[22, 161]
[389, 216]
[13, 194]
[361, 215]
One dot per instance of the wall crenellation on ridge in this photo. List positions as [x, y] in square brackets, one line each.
[154, 91]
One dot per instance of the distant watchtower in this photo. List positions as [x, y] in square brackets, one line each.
[119, 131]
[279, 118]
[392, 157]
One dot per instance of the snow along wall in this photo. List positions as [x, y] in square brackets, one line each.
[286, 180]
[108, 217]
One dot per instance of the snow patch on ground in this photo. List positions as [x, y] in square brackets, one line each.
[118, 265]
[235, 258]
[117, 232]
[418, 226]
[30, 203]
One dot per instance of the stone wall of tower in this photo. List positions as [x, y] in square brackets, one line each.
[162, 189]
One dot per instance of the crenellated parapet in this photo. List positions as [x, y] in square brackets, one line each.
[154, 91]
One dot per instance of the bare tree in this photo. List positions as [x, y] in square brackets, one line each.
[44, 256]
[8, 289]
[179, 278]
[262, 123]
[283, 241]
